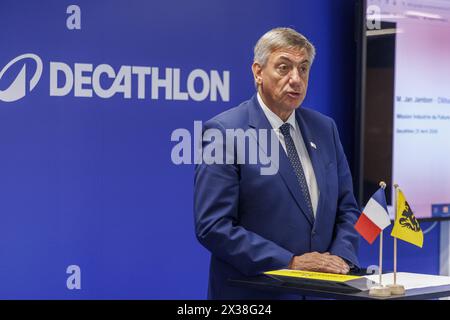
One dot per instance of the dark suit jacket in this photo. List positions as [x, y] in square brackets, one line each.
[253, 223]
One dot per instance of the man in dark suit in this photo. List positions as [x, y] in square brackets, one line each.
[302, 216]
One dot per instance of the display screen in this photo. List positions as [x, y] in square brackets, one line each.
[405, 118]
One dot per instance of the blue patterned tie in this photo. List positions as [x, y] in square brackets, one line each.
[295, 161]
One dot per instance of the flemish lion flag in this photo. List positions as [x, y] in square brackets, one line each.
[406, 226]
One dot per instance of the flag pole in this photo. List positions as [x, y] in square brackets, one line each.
[380, 291]
[396, 289]
[383, 186]
[380, 270]
[395, 239]
[395, 261]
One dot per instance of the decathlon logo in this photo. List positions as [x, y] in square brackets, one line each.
[18, 88]
[105, 81]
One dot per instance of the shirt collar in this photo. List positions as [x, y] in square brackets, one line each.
[274, 119]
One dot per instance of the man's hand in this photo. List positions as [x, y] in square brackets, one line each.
[319, 262]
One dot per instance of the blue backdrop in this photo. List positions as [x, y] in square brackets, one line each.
[89, 181]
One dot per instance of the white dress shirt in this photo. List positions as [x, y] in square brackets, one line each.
[296, 135]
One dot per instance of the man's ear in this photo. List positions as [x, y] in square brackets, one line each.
[257, 71]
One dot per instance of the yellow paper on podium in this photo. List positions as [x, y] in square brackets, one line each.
[312, 275]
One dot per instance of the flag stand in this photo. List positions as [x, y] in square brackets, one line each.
[396, 289]
[380, 291]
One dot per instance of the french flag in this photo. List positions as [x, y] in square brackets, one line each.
[374, 217]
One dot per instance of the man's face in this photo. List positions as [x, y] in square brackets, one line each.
[283, 81]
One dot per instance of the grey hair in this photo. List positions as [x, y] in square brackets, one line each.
[279, 38]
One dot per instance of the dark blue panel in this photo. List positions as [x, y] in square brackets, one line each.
[410, 258]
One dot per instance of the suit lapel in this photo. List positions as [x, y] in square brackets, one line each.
[258, 120]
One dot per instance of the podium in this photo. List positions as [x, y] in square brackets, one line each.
[332, 291]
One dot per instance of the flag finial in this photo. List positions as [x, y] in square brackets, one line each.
[383, 184]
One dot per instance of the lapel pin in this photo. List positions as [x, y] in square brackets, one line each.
[313, 145]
